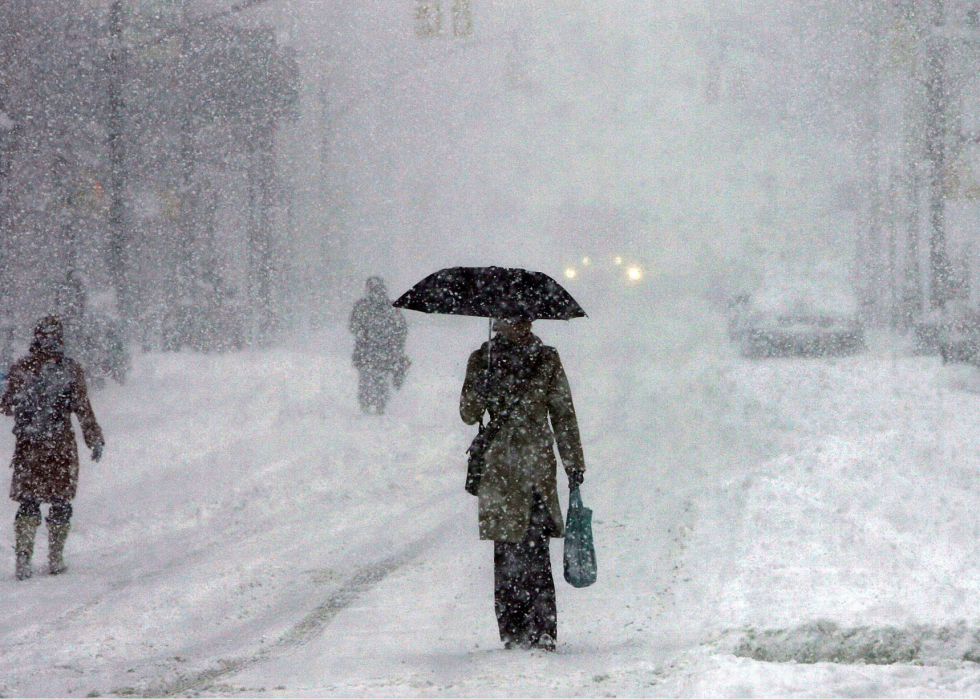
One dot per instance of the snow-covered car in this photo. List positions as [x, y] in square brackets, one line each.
[959, 334]
[925, 333]
[802, 335]
[800, 329]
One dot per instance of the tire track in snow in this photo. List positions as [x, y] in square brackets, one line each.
[308, 628]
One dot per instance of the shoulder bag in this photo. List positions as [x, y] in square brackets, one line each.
[484, 438]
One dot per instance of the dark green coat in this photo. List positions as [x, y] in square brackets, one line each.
[522, 457]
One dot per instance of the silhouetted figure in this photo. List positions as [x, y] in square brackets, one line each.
[379, 346]
[102, 351]
[42, 390]
[70, 302]
[518, 491]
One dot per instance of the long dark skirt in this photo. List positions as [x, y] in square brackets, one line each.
[524, 589]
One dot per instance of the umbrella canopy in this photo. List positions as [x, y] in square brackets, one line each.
[491, 292]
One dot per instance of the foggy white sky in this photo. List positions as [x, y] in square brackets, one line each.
[571, 128]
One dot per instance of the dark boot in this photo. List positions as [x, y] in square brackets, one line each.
[57, 535]
[25, 529]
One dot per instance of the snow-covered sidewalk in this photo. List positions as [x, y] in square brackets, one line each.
[236, 491]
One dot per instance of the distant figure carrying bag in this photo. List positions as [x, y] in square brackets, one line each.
[580, 565]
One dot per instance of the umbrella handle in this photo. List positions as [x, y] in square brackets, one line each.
[489, 345]
[489, 352]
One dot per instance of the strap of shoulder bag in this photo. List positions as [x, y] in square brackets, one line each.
[501, 417]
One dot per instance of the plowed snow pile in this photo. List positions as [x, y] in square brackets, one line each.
[859, 546]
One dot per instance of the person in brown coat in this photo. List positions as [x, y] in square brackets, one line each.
[518, 492]
[43, 389]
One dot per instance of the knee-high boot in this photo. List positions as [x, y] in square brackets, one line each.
[57, 535]
[25, 529]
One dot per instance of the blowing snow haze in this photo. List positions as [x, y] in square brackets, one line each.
[308, 145]
[768, 211]
[705, 141]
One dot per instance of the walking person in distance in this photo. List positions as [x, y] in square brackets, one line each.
[42, 390]
[379, 346]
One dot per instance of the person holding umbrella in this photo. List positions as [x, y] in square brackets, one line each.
[521, 383]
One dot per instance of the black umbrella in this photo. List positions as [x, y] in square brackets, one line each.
[491, 292]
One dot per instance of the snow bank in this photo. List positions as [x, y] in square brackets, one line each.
[859, 544]
[856, 531]
[705, 673]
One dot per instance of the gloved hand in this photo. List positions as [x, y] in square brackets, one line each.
[575, 479]
[97, 452]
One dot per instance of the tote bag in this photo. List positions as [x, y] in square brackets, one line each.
[580, 565]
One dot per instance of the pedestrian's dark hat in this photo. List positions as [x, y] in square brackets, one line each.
[376, 285]
[49, 329]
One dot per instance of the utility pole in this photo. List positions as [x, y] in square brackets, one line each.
[119, 238]
[937, 106]
[186, 164]
[261, 170]
[14, 29]
[912, 293]
[872, 262]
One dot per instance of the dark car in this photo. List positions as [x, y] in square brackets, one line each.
[798, 331]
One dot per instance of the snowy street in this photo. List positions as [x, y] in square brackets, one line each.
[249, 530]
[749, 228]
